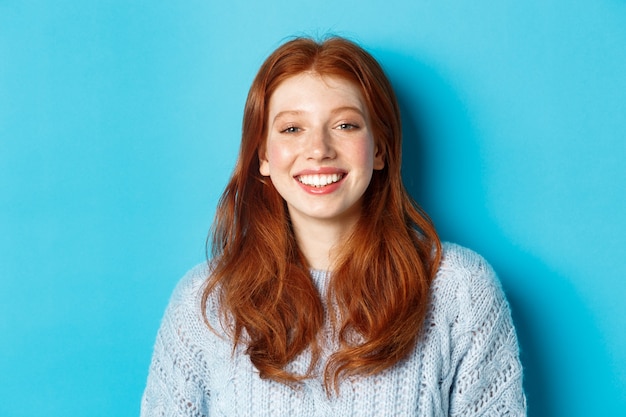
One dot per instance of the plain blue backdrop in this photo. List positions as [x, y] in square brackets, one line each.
[120, 122]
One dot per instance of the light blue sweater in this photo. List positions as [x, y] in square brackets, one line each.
[465, 363]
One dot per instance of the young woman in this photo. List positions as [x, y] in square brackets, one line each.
[328, 292]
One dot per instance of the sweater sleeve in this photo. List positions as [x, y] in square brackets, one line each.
[176, 385]
[488, 372]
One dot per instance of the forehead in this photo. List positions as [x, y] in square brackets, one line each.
[308, 90]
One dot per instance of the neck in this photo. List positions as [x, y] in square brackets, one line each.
[318, 241]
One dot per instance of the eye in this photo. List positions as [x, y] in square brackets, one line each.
[347, 126]
[290, 129]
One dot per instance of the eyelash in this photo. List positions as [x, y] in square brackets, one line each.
[290, 129]
[348, 126]
[341, 126]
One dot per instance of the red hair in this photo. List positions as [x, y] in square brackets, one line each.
[380, 283]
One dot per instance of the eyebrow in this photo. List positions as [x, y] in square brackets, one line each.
[288, 113]
[336, 110]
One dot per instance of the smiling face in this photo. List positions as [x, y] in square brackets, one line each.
[319, 153]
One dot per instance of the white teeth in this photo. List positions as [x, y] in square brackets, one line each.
[318, 180]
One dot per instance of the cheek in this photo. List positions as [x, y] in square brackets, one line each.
[363, 155]
[278, 156]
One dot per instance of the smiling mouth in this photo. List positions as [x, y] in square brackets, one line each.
[319, 180]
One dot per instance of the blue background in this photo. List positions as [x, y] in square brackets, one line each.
[119, 125]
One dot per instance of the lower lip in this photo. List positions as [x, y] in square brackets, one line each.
[327, 189]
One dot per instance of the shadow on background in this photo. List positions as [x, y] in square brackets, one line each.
[442, 170]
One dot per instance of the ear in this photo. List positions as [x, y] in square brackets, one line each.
[379, 158]
[264, 164]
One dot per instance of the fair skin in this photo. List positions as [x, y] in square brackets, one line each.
[320, 155]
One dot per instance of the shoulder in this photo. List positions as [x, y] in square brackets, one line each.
[184, 324]
[458, 259]
[187, 294]
[461, 266]
[184, 309]
[189, 287]
[466, 287]
[184, 302]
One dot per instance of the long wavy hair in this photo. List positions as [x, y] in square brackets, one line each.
[378, 292]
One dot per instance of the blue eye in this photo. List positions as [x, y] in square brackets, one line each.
[291, 129]
[347, 126]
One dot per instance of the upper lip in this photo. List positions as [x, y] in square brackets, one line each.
[321, 171]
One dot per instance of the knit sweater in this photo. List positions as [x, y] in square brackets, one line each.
[465, 363]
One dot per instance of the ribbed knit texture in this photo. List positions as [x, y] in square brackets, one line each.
[466, 361]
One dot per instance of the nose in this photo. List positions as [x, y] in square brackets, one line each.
[320, 146]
